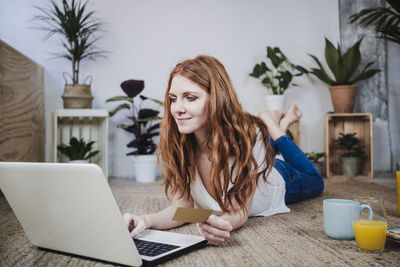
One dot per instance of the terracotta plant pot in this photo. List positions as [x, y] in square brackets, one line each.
[343, 98]
[77, 96]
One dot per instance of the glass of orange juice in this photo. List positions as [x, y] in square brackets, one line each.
[370, 234]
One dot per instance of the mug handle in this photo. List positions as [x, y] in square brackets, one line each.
[371, 214]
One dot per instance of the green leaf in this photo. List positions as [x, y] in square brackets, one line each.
[365, 75]
[119, 98]
[321, 73]
[332, 56]
[120, 107]
[258, 70]
[351, 62]
[275, 55]
[267, 82]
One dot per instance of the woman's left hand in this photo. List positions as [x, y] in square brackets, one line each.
[216, 229]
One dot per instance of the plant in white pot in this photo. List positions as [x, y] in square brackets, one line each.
[78, 151]
[315, 157]
[144, 126]
[277, 75]
[343, 67]
[353, 153]
[77, 27]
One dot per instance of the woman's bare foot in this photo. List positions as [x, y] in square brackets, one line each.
[291, 116]
[272, 119]
[271, 116]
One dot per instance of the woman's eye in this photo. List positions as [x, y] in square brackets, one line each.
[191, 98]
[172, 99]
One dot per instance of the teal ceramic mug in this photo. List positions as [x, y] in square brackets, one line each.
[339, 215]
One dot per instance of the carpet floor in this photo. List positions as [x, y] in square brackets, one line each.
[293, 239]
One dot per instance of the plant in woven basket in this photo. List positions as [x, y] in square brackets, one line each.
[144, 121]
[77, 27]
[78, 149]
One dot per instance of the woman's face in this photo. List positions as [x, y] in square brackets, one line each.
[189, 105]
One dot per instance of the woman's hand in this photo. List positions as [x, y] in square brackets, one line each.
[136, 224]
[216, 229]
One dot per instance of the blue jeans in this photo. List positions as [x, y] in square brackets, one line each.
[301, 178]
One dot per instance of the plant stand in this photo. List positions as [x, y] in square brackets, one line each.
[89, 124]
[348, 123]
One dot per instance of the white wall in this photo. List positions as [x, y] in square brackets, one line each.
[147, 38]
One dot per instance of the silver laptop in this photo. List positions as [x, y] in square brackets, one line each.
[70, 208]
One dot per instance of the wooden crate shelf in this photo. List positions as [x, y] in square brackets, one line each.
[89, 124]
[348, 123]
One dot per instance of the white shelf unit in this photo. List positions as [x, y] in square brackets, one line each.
[89, 124]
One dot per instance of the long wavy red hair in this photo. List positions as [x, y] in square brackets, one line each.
[231, 135]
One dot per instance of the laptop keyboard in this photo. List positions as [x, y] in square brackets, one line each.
[151, 249]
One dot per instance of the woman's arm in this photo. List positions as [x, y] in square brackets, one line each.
[217, 229]
[161, 220]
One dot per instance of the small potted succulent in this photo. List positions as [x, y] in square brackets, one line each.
[144, 125]
[352, 154]
[78, 151]
[315, 157]
[343, 67]
[277, 75]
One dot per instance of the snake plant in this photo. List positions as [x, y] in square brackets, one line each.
[343, 66]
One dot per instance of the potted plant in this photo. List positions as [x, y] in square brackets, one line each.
[77, 27]
[353, 152]
[344, 68]
[78, 151]
[277, 75]
[144, 126]
[314, 158]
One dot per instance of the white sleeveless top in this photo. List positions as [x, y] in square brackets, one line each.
[268, 199]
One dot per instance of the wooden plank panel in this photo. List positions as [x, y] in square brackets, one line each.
[22, 126]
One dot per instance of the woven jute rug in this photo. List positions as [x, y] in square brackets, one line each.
[293, 239]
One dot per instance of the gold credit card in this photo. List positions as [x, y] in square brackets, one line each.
[191, 215]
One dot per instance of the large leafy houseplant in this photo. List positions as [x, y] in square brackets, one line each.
[344, 67]
[78, 149]
[386, 20]
[144, 121]
[277, 72]
[78, 29]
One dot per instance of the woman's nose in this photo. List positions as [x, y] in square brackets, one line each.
[178, 107]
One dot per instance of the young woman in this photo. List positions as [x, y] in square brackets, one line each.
[216, 156]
